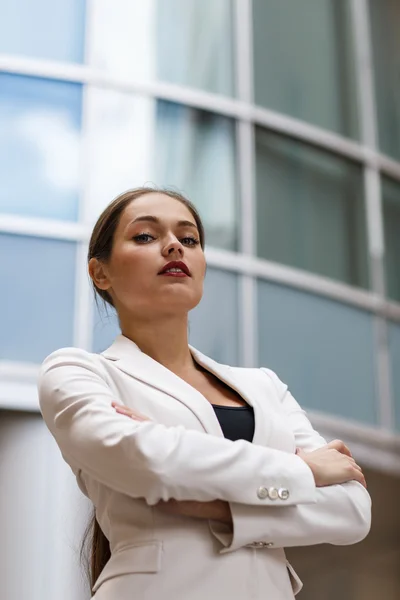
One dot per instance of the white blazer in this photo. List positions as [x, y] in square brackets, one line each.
[125, 467]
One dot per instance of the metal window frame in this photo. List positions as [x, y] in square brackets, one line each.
[373, 204]
[245, 263]
[248, 343]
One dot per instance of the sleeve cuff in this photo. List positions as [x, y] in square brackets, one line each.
[249, 522]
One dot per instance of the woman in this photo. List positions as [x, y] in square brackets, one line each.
[200, 473]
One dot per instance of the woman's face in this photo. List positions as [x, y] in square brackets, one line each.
[153, 231]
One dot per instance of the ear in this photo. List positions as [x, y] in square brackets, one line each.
[98, 273]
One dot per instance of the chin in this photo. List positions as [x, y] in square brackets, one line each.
[179, 303]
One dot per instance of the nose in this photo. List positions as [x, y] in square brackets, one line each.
[173, 248]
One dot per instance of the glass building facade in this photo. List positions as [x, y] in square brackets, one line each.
[280, 120]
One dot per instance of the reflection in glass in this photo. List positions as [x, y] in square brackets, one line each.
[310, 211]
[394, 349]
[185, 42]
[304, 61]
[39, 147]
[322, 349]
[37, 299]
[137, 140]
[391, 219]
[43, 28]
[385, 30]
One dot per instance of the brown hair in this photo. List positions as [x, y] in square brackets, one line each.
[95, 547]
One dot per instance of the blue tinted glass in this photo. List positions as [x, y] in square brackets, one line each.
[40, 124]
[304, 61]
[105, 326]
[37, 299]
[185, 42]
[135, 140]
[322, 349]
[213, 324]
[43, 28]
[385, 19]
[391, 222]
[195, 152]
[310, 209]
[394, 342]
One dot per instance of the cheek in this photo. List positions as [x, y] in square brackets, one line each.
[198, 263]
[131, 267]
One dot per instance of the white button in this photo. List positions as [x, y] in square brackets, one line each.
[273, 493]
[283, 493]
[262, 493]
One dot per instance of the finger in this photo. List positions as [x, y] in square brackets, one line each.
[354, 464]
[358, 476]
[300, 453]
[129, 413]
[340, 447]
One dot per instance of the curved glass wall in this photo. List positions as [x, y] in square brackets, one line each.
[254, 110]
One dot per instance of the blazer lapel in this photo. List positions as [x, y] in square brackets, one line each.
[246, 387]
[129, 358]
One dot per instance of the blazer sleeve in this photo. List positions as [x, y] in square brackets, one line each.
[147, 459]
[341, 514]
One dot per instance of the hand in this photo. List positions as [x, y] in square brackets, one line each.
[332, 464]
[125, 410]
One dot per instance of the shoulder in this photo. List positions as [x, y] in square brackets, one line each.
[65, 360]
[267, 378]
[68, 355]
[69, 373]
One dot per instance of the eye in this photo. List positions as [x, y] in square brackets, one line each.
[143, 238]
[190, 241]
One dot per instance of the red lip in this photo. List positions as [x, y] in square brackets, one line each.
[178, 264]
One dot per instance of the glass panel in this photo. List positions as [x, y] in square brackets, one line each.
[43, 29]
[322, 349]
[310, 211]
[37, 299]
[185, 42]
[136, 140]
[105, 326]
[391, 219]
[40, 124]
[394, 346]
[385, 20]
[214, 323]
[304, 61]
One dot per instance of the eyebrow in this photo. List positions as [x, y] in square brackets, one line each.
[153, 219]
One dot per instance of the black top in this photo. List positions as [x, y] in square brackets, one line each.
[237, 422]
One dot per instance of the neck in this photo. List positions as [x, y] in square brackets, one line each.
[164, 339]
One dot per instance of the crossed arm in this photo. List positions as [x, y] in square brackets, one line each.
[331, 464]
[219, 483]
